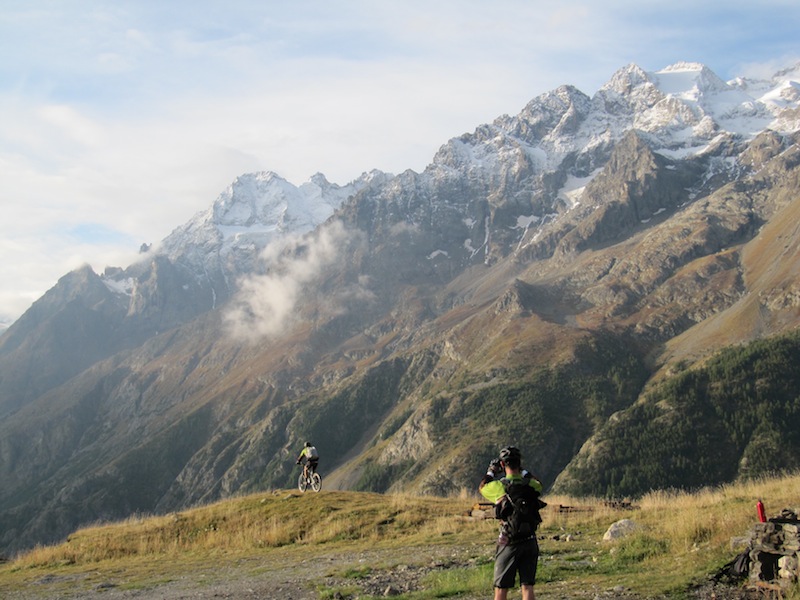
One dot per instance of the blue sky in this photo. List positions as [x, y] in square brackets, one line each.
[120, 120]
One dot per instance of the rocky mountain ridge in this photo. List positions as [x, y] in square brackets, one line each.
[530, 284]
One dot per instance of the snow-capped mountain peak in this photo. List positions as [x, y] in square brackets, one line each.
[682, 110]
[226, 239]
[625, 79]
[263, 202]
[259, 206]
[689, 80]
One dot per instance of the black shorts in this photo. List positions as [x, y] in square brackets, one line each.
[512, 559]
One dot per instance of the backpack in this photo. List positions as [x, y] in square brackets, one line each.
[519, 509]
[735, 570]
[311, 452]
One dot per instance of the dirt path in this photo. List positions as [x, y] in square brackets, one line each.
[292, 575]
[372, 572]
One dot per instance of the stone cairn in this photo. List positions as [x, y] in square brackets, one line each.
[775, 550]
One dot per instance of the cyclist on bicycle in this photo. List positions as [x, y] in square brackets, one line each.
[311, 456]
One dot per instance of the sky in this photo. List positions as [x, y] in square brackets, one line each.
[120, 120]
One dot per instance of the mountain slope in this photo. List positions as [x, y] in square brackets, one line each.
[527, 287]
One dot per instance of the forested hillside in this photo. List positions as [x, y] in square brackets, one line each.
[735, 415]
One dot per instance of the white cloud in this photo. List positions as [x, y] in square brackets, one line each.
[266, 304]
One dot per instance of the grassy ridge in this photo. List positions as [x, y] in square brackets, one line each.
[680, 540]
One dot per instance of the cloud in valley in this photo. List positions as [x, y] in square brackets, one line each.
[266, 305]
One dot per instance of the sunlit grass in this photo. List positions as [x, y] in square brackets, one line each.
[681, 538]
[455, 582]
[261, 521]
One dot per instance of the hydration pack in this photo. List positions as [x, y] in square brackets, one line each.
[519, 509]
[311, 452]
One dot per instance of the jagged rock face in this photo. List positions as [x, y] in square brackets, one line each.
[527, 271]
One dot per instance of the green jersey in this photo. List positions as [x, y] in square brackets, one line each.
[494, 490]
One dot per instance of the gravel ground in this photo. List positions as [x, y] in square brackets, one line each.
[384, 573]
[387, 572]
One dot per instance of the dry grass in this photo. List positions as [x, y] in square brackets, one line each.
[240, 526]
[681, 537]
[713, 516]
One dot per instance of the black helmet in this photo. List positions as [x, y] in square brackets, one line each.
[510, 452]
[308, 444]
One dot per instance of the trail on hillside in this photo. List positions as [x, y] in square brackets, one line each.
[382, 571]
[344, 575]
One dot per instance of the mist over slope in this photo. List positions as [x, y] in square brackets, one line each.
[530, 286]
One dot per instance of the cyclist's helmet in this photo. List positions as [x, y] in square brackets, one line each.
[510, 452]
[308, 444]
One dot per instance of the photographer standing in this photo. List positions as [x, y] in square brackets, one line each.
[517, 504]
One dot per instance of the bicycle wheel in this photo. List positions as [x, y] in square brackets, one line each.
[316, 482]
[302, 483]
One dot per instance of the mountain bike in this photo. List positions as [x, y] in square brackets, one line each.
[309, 480]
